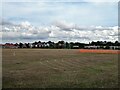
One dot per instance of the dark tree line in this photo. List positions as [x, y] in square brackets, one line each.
[105, 43]
[66, 45]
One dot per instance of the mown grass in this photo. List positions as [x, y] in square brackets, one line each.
[47, 68]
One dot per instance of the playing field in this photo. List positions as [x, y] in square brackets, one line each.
[58, 68]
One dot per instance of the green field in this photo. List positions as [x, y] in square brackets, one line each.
[58, 68]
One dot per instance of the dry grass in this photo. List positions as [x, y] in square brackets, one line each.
[58, 68]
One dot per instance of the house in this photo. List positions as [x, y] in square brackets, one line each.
[30, 45]
[92, 47]
[115, 47]
[10, 45]
[102, 47]
[75, 46]
[46, 45]
[1, 45]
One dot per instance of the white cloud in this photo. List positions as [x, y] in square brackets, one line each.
[24, 31]
[61, 30]
[77, 32]
[25, 24]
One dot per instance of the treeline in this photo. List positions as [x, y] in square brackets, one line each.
[69, 45]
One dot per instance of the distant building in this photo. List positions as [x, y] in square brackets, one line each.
[8, 45]
[1, 45]
[91, 47]
[102, 47]
[115, 47]
[75, 46]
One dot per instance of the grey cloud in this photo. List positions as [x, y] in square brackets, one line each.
[5, 22]
[65, 26]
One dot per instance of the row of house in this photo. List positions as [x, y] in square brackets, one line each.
[38, 45]
[8, 45]
[102, 47]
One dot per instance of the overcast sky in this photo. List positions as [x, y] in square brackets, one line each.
[85, 21]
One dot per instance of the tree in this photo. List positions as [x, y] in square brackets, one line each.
[51, 44]
[67, 45]
[71, 45]
[60, 44]
[20, 45]
[116, 43]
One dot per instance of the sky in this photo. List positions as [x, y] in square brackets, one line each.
[70, 20]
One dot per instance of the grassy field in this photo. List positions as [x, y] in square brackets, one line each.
[58, 68]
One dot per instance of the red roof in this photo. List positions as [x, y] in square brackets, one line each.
[9, 45]
[1, 44]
